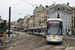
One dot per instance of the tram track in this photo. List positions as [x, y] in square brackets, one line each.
[33, 42]
[15, 41]
[60, 45]
[27, 42]
[67, 42]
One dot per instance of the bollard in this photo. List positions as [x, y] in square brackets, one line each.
[31, 32]
[4, 35]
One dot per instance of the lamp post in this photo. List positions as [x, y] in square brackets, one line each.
[9, 20]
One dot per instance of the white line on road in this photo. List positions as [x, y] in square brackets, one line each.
[31, 45]
[59, 47]
[40, 41]
[10, 48]
[17, 41]
[15, 44]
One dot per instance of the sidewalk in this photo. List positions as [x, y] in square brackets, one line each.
[69, 37]
[11, 36]
[71, 40]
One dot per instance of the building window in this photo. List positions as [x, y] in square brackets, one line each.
[72, 21]
[58, 16]
[53, 9]
[74, 25]
[58, 8]
[72, 17]
[63, 8]
[69, 11]
[74, 13]
[49, 11]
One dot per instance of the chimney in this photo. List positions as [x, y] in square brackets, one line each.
[36, 6]
[46, 6]
[68, 3]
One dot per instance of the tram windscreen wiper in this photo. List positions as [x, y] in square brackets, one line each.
[58, 31]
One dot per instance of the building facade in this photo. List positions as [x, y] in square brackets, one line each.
[37, 15]
[26, 22]
[13, 25]
[73, 19]
[19, 25]
[63, 12]
[31, 21]
[40, 16]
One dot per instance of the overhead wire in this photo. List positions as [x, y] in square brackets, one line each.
[30, 3]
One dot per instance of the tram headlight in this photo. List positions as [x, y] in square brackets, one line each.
[49, 36]
[59, 39]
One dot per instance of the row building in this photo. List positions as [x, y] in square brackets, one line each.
[41, 13]
[63, 12]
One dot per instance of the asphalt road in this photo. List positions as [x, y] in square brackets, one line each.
[31, 42]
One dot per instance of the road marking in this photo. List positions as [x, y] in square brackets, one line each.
[15, 44]
[58, 47]
[40, 41]
[7, 41]
[17, 41]
[10, 48]
[69, 48]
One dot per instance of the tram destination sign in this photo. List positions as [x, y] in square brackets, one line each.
[53, 22]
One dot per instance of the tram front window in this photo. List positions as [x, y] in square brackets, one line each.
[54, 29]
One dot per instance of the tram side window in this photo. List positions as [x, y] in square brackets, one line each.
[34, 30]
[39, 30]
[61, 30]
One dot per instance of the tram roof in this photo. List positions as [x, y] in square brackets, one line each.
[53, 19]
[43, 26]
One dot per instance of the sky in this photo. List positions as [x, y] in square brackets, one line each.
[20, 8]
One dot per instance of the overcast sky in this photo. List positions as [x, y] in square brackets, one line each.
[20, 8]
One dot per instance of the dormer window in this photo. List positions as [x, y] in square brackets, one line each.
[58, 16]
[63, 8]
[58, 8]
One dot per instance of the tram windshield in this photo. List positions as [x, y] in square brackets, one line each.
[54, 28]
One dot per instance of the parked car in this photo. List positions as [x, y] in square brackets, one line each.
[11, 31]
[22, 31]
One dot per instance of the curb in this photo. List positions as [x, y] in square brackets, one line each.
[7, 41]
[67, 43]
[16, 33]
[69, 38]
[11, 37]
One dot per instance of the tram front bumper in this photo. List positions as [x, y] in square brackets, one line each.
[54, 40]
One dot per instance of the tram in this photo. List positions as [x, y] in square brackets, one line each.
[54, 31]
[39, 30]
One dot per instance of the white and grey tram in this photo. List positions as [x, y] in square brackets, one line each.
[54, 30]
[39, 30]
